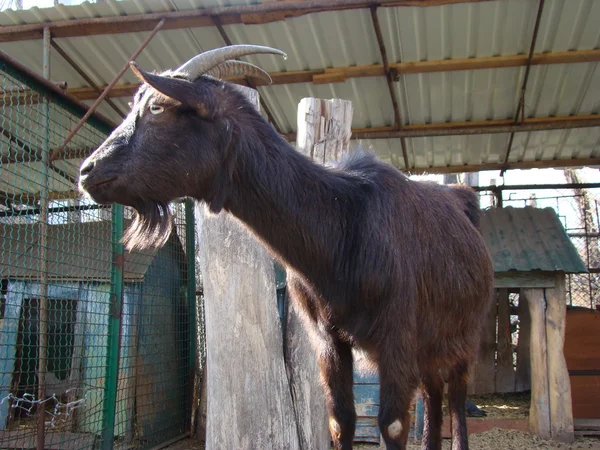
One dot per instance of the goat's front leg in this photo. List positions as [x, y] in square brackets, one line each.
[335, 364]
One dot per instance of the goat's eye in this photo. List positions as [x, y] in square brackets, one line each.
[156, 109]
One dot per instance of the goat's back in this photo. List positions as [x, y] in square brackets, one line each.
[422, 274]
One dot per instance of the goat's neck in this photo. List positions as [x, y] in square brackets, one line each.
[293, 205]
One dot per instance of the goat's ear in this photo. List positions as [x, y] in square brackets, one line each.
[183, 91]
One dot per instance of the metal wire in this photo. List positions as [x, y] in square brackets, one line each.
[155, 331]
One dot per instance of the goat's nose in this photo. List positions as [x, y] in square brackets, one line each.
[87, 167]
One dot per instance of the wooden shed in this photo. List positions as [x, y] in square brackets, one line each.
[532, 254]
[152, 380]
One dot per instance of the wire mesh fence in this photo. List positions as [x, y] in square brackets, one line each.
[97, 345]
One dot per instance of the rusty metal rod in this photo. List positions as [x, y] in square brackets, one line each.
[92, 108]
[85, 76]
[43, 255]
[389, 78]
[521, 104]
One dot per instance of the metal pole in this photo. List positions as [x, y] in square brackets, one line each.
[43, 302]
[190, 246]
[114, 330]
[81, 122]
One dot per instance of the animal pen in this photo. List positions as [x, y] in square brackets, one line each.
[97, 345]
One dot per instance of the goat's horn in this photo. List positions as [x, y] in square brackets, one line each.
[236, 68]
[203, 62]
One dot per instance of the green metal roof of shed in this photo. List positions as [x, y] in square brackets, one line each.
[527, 239]
[76, 251]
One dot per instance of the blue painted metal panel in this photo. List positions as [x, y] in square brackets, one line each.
[9, 327]
[162, 330]
[366, 401]
[17, 293]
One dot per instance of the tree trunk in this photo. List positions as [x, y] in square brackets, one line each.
[249, 404]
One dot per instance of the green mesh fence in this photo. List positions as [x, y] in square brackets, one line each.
[97, 345]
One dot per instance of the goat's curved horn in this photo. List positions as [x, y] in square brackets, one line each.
[203, 62]
[236, 68]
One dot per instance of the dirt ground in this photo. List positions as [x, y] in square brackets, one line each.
[495, 439]
[497, 406]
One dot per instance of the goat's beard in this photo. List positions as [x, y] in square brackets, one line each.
[151, 227]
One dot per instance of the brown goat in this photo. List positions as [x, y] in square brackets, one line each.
[375, 261]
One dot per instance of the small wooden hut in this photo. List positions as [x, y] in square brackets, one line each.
[532, 255]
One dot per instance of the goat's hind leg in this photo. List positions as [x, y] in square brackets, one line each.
[433, 391]
[457, 396]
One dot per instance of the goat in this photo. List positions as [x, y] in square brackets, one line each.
[375, 261]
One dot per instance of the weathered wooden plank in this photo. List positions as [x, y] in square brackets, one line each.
[514, 279]
[249, 402]
[561, 413]
[523, 371]
[539, 413]
[505, 372]
[585, 393]
[484, 374]
[582, 336]
[323, 135]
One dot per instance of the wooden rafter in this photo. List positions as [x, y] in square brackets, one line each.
[522, 165]
[262, 13]
[333, 75]
[474, 127]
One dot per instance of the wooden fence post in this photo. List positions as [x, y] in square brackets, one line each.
[523, 371]
[249, 403]
[484, 378]
[505, 372]
[323, 135]
[539, 414]
[559, 384]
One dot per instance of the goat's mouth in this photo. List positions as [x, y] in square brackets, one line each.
[94, 188]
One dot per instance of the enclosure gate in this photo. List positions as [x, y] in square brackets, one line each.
[97, 345]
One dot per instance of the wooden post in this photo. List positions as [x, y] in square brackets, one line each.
[561, 413]
[484, 380]
[249, 403]
[324, 129]
[505, 372]
[539, 413]
[523, 372]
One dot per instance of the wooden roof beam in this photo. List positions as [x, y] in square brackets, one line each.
[268, 12]
[340, 74]
[522, 165]
[474, 127]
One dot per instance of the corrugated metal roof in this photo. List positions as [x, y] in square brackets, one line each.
[346, 38]
[68, 258]
[527, 239]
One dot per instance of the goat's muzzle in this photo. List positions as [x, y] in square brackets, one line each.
[93, 182]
